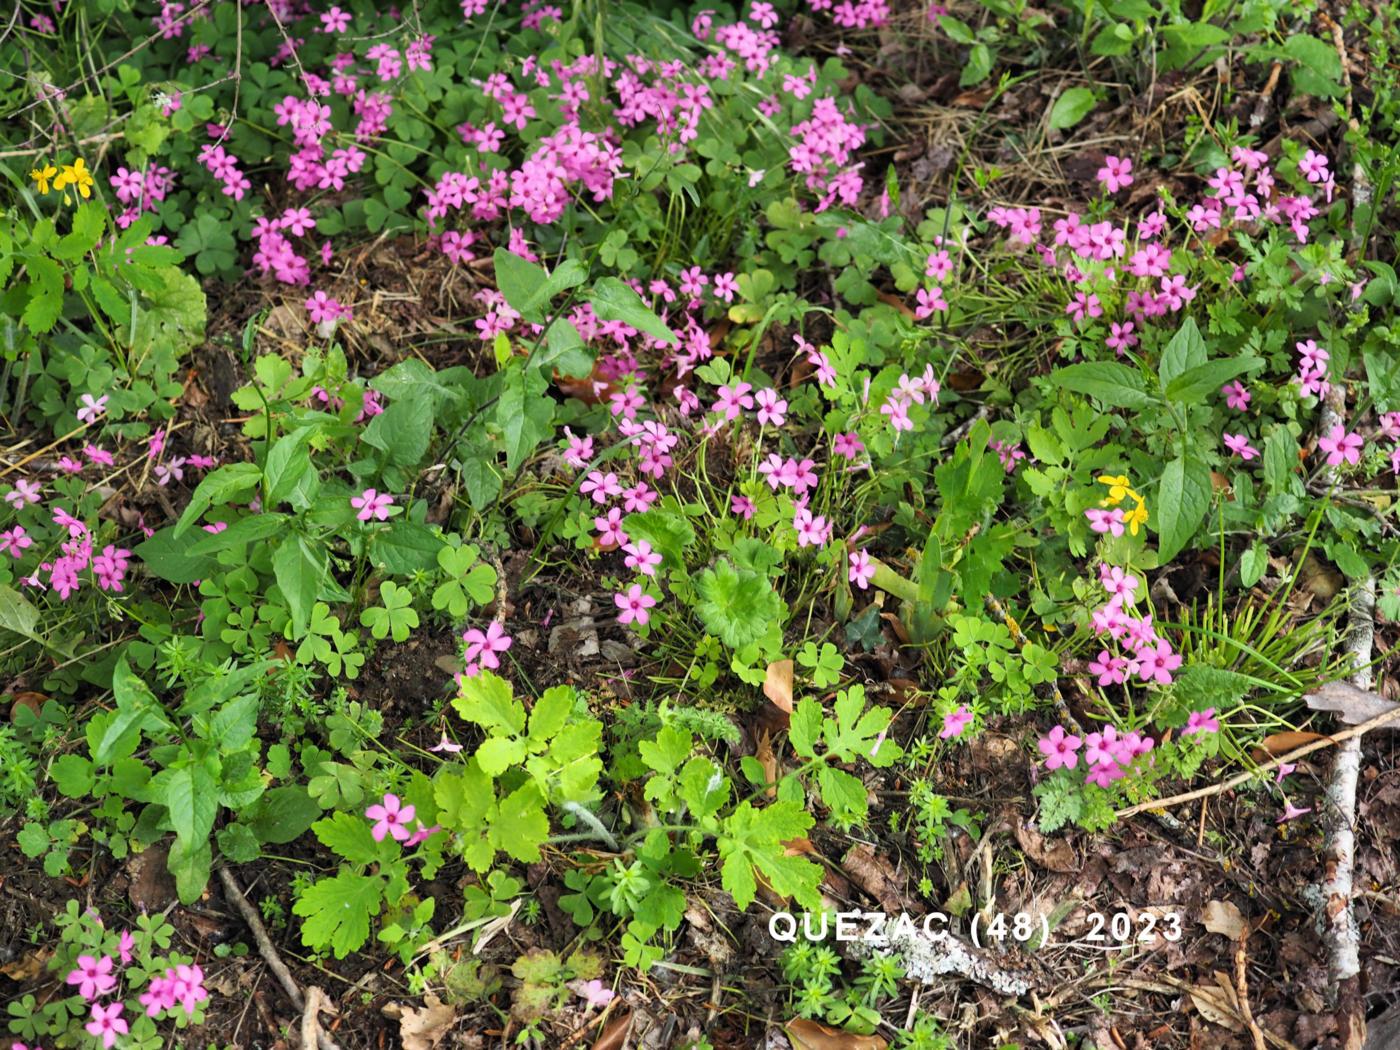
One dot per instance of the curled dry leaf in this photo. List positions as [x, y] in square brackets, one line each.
[1218, 1002]
[422, 1029]
[874, 873]
[1224, 918]
[33, 701]
[809, 1035]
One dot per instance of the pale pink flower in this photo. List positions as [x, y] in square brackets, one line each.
[391, 818]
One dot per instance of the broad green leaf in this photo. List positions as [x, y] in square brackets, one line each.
[1183, 497]
[337, 912]
[486, 699]
[1184, 351]
[1117, 386]
[300, 569]
[282, 814]
[1203, 380]
[226, 484]
[1073, 105]
[612, 300]
[245, 530]
[350, 836]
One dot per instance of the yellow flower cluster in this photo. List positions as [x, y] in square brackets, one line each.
[75, 175]
[1119, 489]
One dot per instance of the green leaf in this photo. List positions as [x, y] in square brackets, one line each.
[300, 570]
[752, 839]
[238, 843]
[405, 547]
[137, 710]
[287, 466]
[1183, 497]
[402, 431]
[227, 484]
[190, 862]
[612, 300]
[521, 826]
[486, 700]
[17, 614]
[1319, 70]
[282, 814]
[171, 558]
[337, 912]
[189, 793]
[528, 288]
[1115, 385]
[88, 223]
[73, 774]
[739, 606]
[1203, 380]
[1073, 105]
[245, 530]
[349, 836]
[564, 350]
[1185, 350]
[524, 415]
[499, 753]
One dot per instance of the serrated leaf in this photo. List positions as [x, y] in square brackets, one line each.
[349, 836]
[487, 700]
[337, 911]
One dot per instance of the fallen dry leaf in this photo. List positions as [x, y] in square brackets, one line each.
[422, 1029]
[1217, 1002]
[1224, 918]
[1276, 744]
[33, 701]
[615, 1034]
[1053, 854]
[809, 1035]
[777, 685]
[27, 967]
[874, 873]
[1352, 705]
[763, 752]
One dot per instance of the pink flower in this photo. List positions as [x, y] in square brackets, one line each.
[579, 450]
[107, 1024]
[92, 407]
[390, 818]
[125, 945]
[1109, 668]
[1341, 446]
[482, 647]
[609, 528]
[25, 491]
[1240, 446]
[1116, 173]
[92, 976]
[322, 307]
[641, 558]
[848, 445]
[1313, 167]
[1236, 396]
[372, 504]
[812, 530]
[1157, 663]
[742, 506]
[445, 745]
[600, 486]
[595, 993]
[1105, 521]
[1292, 812]
[1059, 749]
[954, 722]
[725, 286]
[732, 399]
[1201, 722]
[862, 570]
[634, 604]
[771, 408]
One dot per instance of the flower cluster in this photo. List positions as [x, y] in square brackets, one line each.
[1143, 653]
[1114, 521]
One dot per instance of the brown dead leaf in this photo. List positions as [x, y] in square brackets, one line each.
[1053, 854]
[777, 685]
[897, 625]
[809, 1035]
[33, 701]
[614, 1036]
[763, 751]
[423, 1029]
[1319, 578]
[1352, 705]
[152, 886]
[1217, 1002]
[27, 967]
[874, 873]
[1224, 918]
[1276, 744]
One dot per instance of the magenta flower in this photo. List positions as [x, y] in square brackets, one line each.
[848, 445]
[862, 570]
[445, 745]
[1059, 749]
[1341, 446]
[771, 408]
[1105, 521]
[954, 722]
[742, 506]
[391, 818]
[1201, 722]
[1236, 396]
[107, 1024]
[600, 487]
[609, 526]
[125, 946]
[1156, 663]
[322, 307]
[92, 976]
[1240, 446]
[372, 504]
[732, 399]
[634, 603]
[24, 492]
[483, 647]
[641, 558]
[1116, 173]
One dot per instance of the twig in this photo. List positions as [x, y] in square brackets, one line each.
[1242, 989]
[1249, 774]
[270, 956]
[1261, 108]
[310, 1026]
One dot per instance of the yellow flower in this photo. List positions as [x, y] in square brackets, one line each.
[41, 176]
[1117, 489]
[76, 175]
[1137, 517]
